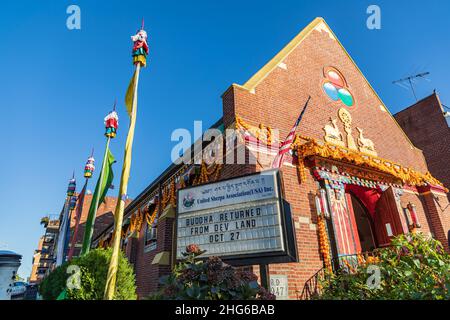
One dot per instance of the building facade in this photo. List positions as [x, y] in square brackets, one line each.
[44, 255]
[353, 179]
[427, 124]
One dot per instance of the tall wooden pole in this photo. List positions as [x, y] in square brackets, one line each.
[118, 215]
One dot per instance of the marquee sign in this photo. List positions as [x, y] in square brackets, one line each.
[238, 219]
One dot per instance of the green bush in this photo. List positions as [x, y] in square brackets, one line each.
[52, 285]
[93, 271]
[413, 268]
[194, 279]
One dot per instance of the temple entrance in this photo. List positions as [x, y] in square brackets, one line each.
[375, 217]
[364, 225]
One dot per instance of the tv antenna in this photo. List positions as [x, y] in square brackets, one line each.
[410, 80]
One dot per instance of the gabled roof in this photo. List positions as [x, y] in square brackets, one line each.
[317, 24]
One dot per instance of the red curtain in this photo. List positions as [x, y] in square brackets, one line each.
[369, 197]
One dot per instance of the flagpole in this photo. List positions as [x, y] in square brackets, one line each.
[140, 52]
[72, 204]
[89, 229]
[77, 224]
[120, 208]
[63, 227]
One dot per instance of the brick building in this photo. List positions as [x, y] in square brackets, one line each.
[427, 124]
[105, 217]
[350, 155]
[44, 255]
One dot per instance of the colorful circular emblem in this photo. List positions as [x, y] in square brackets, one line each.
[188, 200]
[335, 86]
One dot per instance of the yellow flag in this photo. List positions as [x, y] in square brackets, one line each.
[131, 103]
[130, 94]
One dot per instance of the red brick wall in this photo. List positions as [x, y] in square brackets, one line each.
[438, 214]
[148, 274]
[428, 130]
[103, 220]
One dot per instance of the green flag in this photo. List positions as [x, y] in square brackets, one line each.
[62, 295]
[101, 190]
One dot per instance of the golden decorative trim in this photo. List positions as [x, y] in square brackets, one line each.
[322, 149]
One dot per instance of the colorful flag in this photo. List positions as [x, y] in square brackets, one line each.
[101, 190]
[129, 96]
[62, 234]
[77, 221]
[285, 146]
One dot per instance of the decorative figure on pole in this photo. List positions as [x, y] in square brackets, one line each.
[140, 47]
[140, 51]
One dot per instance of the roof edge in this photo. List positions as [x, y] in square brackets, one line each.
[280, 56]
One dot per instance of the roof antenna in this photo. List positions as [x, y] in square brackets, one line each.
[410, 81]
[92, 152]
[114, 107]
[143, 24]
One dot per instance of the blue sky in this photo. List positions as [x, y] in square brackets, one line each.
[57, 84]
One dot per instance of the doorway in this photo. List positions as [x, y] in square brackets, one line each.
[364, 225]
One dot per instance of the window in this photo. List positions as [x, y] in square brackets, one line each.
[447, 117]
[151, 233]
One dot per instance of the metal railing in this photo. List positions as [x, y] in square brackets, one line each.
[345, 263]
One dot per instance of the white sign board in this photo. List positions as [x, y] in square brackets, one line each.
[279, 286]
[232, 217]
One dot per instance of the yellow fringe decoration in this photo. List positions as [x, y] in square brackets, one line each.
[262, 133]
[208, 175]
[326, 150]
[301, 170]
[312, 147]
[324, 243]
[150, 218]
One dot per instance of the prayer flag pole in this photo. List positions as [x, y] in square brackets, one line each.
[88, 171]
[139, 53]
[111, 125]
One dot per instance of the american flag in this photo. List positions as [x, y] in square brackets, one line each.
[285, 146]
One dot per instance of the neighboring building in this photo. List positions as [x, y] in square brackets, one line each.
[9, 264]
[105, 216]
[349, 150]
[44, 256]
[427, 124]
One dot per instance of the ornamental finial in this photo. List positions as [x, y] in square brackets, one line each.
[140, 47]
[89, 168]
[112, 123]
[72, 186]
